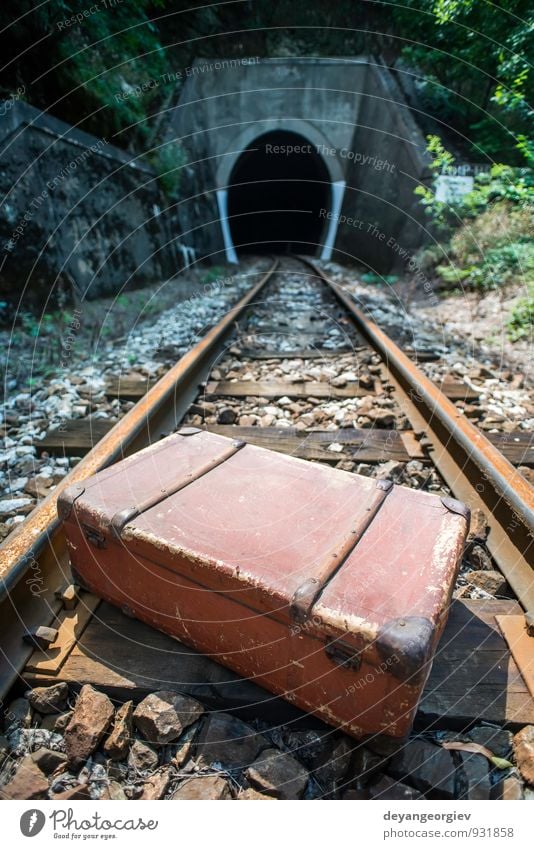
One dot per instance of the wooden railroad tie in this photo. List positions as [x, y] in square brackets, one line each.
[133, 388]
[473, 677]
[279, 389]
[374, 445]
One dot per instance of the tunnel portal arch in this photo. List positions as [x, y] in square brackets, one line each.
[280, 194]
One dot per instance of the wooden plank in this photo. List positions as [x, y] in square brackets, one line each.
[457, 390]
[365, 445]
[297, 354]
[127, 659]
[412, 445]
[423, 355]
[128, 388]
[70, 625]
[474, 677]
[517, 447]
[278, 388]
[521, 645]
[75, 437]
[454, 390]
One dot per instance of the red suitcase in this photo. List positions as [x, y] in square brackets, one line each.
[325, 587]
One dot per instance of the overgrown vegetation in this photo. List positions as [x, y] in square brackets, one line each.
[116, 66]
[486, 235]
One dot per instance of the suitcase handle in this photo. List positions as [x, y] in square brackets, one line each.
[306, 595]
[123, 517]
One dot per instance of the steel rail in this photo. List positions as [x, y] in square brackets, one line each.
[33, 560]
[474, 469]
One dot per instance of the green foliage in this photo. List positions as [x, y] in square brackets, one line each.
[501, 183]
[475, 64]
[441, 162]
[216, 272]
[507, 263]
[168, 162]
[487, 234]
[472, 58]
[521, 321]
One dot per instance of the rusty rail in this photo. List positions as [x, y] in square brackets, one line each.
[474, 469]
[33, 560]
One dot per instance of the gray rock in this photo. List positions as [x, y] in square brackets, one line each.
[89, 722]
[47, 700]
[278, 774]
[479, 558]
[56, 722]
[142, 757]
[497, 740]
[334, 765]
[179, 752]
[156, 786]
[356, 795]
[510, 788]
[24, 740]
[162, 717]
[478, 529]
[523, 745]
[388, 788]
[4, 749]
[382, 418]
[226, 416]
[19, 712]
[254, 796]
[426, 767]
[203, 787]
[366, 763]
[473, 776]
[490, 581]
[226, 740]
[115, 791]
[9, 506]
[48, 760]
[118, 742]
[78, 791]
[62, 721]
[311, 747]
[27, 783]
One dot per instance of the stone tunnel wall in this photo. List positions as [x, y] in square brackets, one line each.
[76, 212]
[353, 113]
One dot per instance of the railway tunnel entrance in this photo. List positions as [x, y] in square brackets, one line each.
[278, 194]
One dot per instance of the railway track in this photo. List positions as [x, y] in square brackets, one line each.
[297, 367]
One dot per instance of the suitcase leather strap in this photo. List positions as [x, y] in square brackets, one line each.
[123, 517]
[306, 595]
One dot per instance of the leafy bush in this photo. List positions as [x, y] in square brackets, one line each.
[168, 162]
[491, 249]
[521, 321]
[487, 234]
[500, 183]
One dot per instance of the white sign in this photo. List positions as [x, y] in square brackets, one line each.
[450, 189]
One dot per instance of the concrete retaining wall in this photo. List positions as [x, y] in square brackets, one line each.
[75, 211]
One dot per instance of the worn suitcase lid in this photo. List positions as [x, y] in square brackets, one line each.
[282, 535]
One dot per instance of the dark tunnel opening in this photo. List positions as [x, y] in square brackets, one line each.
[278, 187]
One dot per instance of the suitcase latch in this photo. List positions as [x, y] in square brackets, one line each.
[344, 654]
[94, 536]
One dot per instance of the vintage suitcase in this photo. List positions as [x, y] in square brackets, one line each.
[327, 588]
